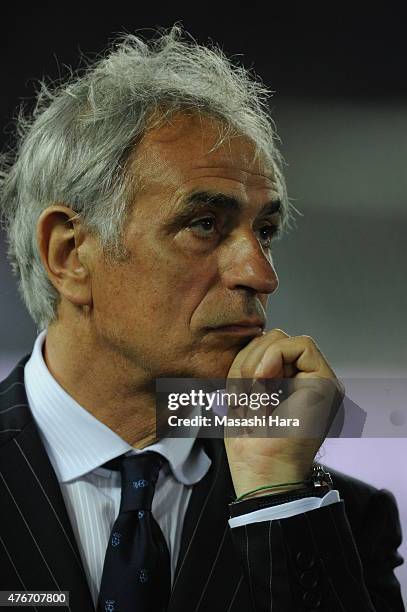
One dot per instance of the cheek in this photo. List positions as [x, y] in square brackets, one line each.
[112, 293]
[154, 295]
[160, 286]
[176, 294]
[175, 283]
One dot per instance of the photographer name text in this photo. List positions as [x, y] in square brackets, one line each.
[227, 421]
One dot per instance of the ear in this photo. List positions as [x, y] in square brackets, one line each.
[64, 252]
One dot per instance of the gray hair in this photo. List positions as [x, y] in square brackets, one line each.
[76, 145]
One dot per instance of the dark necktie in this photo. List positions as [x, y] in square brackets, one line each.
[136, 573]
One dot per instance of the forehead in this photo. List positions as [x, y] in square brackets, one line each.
[186, 149]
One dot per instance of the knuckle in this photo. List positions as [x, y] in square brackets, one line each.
[308, 340]
[278, 333]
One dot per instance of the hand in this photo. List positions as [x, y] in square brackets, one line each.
[260, 461]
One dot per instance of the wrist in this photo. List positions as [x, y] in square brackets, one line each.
[278, 490]
[280, 481]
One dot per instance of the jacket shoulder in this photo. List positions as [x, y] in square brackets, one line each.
[14, 409]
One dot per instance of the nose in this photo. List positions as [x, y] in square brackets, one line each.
[244, 265]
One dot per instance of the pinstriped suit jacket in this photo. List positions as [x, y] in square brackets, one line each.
[307, 562]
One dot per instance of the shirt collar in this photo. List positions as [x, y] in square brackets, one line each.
[78, 443]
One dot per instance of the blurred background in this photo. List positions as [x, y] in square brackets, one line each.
[340, 109]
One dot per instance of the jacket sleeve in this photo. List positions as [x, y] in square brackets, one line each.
[311, 561]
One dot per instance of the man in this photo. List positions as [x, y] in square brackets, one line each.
[140, 210]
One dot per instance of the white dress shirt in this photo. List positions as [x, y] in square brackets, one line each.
[78, 444]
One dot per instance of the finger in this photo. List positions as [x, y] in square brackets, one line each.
[298, 351]
[241, 377]
[247, 360]
[254, 357]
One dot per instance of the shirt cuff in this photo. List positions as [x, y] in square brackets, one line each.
[282, 511]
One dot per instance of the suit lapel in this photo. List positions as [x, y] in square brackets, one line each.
[201, 581]
[37, 540]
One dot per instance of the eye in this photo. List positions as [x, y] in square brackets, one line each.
[266, 234]
[203, 227]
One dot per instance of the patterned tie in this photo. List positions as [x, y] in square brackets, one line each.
[136, 573]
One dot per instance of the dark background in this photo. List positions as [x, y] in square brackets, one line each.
[340, 106]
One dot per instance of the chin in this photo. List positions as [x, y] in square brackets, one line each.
[215, 364]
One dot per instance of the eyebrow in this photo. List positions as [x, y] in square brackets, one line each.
[220, 200]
